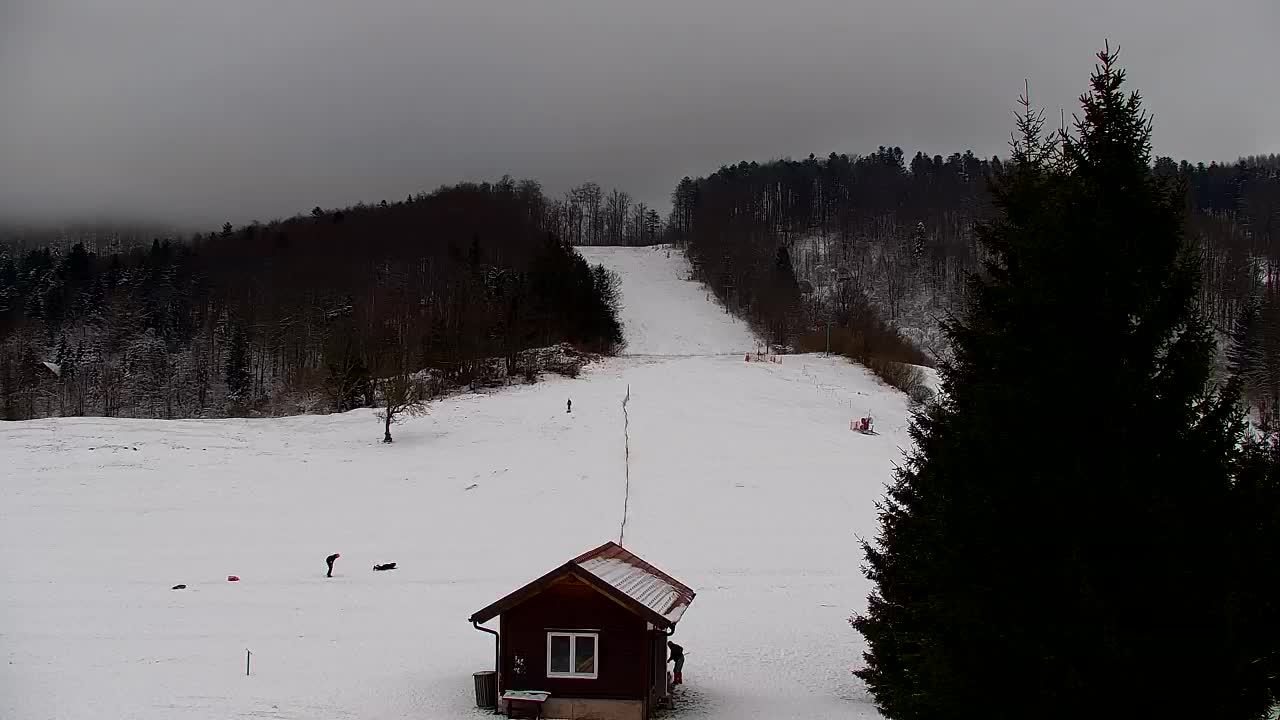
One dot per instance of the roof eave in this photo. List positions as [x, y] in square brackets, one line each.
[519, 595]
[571, 568]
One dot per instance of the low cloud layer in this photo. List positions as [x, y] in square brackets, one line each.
[202, 112]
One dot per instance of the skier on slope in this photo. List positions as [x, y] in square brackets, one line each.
[329, 561]
[568, 405]
[677, 656]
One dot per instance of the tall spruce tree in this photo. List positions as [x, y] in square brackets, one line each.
[1059, 543]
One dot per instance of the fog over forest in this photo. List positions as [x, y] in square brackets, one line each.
[201, 113]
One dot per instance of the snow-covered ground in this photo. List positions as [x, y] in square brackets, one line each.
[746, 484]
[665, 314]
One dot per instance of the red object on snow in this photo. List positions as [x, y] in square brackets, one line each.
[233, 578]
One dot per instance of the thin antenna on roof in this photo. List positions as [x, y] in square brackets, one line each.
[626, 464]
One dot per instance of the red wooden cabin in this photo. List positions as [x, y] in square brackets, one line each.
[592, 633]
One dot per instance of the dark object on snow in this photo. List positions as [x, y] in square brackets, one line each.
[677, 656]
[329, 561]
[385, 566]
[233, 578]
[568, 406]
[178, 587]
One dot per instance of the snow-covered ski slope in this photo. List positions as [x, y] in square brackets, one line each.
[746, 483]
[665, 314]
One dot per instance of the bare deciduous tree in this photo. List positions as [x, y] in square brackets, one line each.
[403, 393]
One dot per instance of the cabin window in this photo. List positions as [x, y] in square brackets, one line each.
[572, 655]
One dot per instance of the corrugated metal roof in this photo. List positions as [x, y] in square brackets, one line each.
[613, 571]
[638, 580]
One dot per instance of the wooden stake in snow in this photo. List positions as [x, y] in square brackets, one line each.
[247, 655]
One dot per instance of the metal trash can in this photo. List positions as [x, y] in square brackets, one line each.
[486, 689]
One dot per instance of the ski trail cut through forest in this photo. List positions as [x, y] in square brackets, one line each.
[662, 312]
[664, 317]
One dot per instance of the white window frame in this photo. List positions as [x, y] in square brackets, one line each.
[573, 655]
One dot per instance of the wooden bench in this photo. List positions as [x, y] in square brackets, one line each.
[526, 700]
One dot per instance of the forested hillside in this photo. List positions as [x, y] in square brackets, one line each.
[879, 243]
[299, 315]
[100, 237]
[864, 255]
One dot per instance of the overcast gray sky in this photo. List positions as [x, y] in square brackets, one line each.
[200, 111]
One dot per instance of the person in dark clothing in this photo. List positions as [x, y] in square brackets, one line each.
[677, 656]
[568, 405]
[329, 560]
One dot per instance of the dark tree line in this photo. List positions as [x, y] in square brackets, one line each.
[302, 315]
[585, 215]
[99, 238]
[1084, 528]
[880, 247]
[823, 253]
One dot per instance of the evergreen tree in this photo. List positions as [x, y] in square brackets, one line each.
[237, 367]
[348, 381]
[1243, 330]
[1256, 535]
[919, 238]
[62, 353]
[1061, 542]
[785, 293]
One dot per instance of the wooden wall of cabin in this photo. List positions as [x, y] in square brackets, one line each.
[623, 650]
[657, 661]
